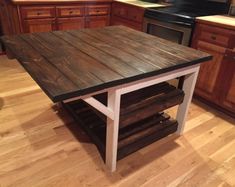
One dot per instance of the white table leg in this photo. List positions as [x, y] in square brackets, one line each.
[114, 98]
[188, 88]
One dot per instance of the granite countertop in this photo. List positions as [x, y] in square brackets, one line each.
[142, 3]
[138, 3]
[218, 20]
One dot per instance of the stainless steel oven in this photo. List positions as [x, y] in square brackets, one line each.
[169, 31]
[176, 22]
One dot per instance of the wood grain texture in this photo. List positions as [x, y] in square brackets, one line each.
[43, 146]
[95, 59]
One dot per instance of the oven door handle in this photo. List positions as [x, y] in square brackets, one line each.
[180, 23]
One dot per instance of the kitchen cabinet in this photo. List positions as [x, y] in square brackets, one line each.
[70, 17]
[216, 80]
[49, 16]
[38, 18]
[97, 16]
[207, 79]
[127, 15]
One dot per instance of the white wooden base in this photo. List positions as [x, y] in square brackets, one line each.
[112, 110]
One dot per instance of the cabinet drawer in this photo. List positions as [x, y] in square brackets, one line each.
[215, 35]
[98, 10]
[38, 12]
[70, 11]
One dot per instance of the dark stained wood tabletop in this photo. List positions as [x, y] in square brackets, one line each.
[66, 64]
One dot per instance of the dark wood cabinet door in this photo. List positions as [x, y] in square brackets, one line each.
[207, 81]
[39, 25]
[97, 21]
[70, 23]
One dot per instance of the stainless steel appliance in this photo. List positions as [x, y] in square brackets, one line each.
[176, 23]
[232, 10]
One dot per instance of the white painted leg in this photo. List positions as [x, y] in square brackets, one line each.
[114, 98]
[188, 87]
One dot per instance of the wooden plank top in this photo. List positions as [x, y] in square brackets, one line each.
[67, 64]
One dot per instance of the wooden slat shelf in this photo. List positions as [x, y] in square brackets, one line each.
[141, 119]
[143, 103]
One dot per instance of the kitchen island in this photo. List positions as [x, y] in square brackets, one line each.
[81, 66]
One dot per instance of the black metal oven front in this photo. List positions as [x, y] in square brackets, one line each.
[169, 31]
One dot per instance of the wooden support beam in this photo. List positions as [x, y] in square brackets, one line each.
[114, 98]
[100, 106]
[188, 88]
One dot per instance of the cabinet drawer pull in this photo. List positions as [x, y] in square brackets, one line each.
[213, 37]
[39, 13]
[70, 12]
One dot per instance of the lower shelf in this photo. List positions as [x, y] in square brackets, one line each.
[131, 138]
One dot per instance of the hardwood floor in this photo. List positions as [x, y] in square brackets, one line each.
[40, 145]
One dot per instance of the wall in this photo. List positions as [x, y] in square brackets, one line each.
[233, 1]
